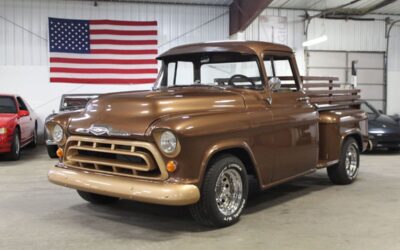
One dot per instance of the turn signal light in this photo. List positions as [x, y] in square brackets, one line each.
[60, 153]
[171, 166]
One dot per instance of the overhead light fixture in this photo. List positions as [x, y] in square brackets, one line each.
[315, 41]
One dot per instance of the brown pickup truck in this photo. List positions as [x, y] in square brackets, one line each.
[218, 113]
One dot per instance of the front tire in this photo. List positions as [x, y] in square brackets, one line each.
[15, 152]
[346, 171]
[97, 198]
[223, 193]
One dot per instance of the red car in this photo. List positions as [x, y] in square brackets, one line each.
[18, 125]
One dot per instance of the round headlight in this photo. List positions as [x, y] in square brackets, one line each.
[58, 133]
[168, 142]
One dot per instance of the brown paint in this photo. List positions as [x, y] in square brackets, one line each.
[282, 133]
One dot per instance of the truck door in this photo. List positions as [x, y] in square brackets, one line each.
[295, 120]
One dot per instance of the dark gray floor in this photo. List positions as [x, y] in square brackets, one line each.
[308, 213]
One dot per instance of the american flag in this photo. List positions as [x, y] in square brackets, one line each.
[102, 51]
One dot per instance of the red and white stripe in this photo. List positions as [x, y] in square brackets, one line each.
[121, 52]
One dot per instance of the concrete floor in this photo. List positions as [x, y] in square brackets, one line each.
[308, 213]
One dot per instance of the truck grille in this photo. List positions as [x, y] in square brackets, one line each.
[117, 157]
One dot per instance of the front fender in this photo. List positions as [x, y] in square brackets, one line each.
[61, 119]
[201, 135]
[226, 146]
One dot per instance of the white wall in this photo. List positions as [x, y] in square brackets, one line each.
[23, 40]
[364, 36]
[295, 31]
[342, 35]
[394, 71]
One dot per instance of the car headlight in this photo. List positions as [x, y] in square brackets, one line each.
[58, 133]
[168, 142]
[3, 131]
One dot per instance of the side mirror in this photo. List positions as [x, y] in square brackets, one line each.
[23, 113]
[274, 83]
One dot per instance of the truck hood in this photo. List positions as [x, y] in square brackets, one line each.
[6, 119]
[131, 113]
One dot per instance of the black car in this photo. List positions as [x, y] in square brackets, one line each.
[69, 103]
[383, 130]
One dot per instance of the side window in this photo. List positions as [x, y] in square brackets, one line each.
[171, 73]
[184, 73]
[280, 67]
[21, 104]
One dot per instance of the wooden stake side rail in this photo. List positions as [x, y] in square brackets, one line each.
[328, 95]
[313, 93]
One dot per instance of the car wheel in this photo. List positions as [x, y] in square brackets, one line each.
[52, 151]
[223, 193]
[97, 198]
[15, 152]
[346, 171]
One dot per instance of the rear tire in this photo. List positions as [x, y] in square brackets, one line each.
[346, 171]
[223, 194]
[52, 151]
[15, 152]
[97, 198]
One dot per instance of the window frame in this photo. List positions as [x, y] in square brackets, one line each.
[292, 63]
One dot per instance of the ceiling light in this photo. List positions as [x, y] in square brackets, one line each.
[315, 41]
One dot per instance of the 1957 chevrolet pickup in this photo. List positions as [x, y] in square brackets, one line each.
[218, 113]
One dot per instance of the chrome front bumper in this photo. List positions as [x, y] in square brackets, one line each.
[163, 193]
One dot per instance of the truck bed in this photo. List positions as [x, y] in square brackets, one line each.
[339, 115]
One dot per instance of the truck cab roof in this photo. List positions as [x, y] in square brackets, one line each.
[243, 47]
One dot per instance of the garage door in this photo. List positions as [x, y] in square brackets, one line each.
[370, 71]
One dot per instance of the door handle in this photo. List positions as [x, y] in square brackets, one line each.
[302, 99]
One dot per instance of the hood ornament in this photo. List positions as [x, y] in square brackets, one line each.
[101, 130]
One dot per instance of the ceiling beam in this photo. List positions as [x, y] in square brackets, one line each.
[341, 12]
[243, 12]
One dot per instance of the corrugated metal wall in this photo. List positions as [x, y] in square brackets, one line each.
[342, 35]
[349, 35]
[23, 24]
[295, 26]
[23, 40]
[295, 31]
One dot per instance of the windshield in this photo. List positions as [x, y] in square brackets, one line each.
[7, 105]
[213, 69]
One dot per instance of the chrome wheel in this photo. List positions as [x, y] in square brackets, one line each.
[351, 161]
[229, 190]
